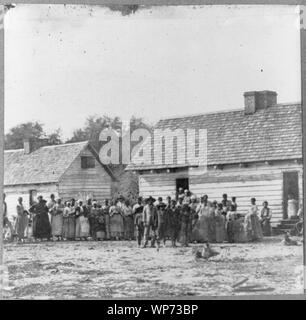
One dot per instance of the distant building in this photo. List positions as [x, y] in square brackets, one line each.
[68, 171]
[251, 152]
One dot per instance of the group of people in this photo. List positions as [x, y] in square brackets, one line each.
[185, 219]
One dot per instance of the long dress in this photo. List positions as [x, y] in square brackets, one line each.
[266, 216]
[79, 211]
[200, 230]
[99, 226]
[128, 222]
[69, 223]
[116, 222]
[41, 223]
[219, 226]
[57, 220]
[105, 210]
[83, 227]
[252, 223]
[21, 222]
[292, 208]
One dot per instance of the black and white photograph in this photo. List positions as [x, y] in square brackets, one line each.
[151, 151]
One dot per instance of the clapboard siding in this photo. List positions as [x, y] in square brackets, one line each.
[82, 183]
[14, 192]
[262, 181]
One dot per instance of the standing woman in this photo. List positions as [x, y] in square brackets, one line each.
[116, 221]
[219, 223]
[21, 221]
[266, 216]
[41, 223]
[68, 222]
[200, 230]
[78, 212]
[57, 220]
[84, 222]
[105, 209]
[128, 220]
[99, 225]
[253, 227]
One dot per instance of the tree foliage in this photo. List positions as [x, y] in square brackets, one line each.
[30, 130]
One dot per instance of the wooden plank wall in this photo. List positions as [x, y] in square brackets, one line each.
[82, 183]
[262, 181]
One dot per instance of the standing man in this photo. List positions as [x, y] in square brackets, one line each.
[149, 218]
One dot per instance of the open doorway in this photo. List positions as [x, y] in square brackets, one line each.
[290, 188]
[182, 183]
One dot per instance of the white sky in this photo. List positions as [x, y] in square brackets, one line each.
[64, 63]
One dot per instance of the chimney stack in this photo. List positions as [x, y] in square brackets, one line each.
[256, 100]
[27, 145]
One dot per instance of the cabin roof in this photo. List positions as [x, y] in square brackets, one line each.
[44, 165]
[274, 133]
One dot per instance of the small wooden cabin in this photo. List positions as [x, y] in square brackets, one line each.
[68, 171]
[251, 152]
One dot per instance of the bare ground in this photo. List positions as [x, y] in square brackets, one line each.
[101, 270]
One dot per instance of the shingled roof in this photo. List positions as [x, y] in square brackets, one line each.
[274, 133]
[44, 165]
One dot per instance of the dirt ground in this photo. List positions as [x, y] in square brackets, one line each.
[101, 270]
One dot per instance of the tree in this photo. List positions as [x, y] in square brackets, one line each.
[30, 130]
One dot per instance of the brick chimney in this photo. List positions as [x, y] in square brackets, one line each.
[256, 100]
[28, 146]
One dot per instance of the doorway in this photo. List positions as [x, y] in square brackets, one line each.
[182, 183]
[290, 187]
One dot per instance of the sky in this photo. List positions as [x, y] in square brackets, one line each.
[65, 63]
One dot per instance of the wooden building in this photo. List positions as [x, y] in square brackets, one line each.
[68, 171]
[255, 151]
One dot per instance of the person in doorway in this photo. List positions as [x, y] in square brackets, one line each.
[292, 207]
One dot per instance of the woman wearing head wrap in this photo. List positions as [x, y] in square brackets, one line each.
[82, 224]
[116, 221]
[69, 222]
[99, 226]
[41, 223]
[266, 216]
[219, 223]
[201, 227]
[253, 227]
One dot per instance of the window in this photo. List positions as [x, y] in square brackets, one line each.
[87, 162]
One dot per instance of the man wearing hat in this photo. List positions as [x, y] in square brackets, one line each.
[150, 221]
[41, 222]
